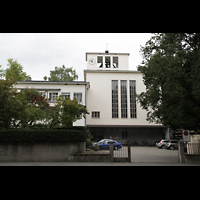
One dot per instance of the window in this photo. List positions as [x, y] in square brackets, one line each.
[114, 99]
[95, 114]
[100, 61]
[53, 96]
[107, 62]
[124, 135]
[133, 99]
[123, 99]
[78, 96]
[115, 62]
[43, 94]
[66, 95]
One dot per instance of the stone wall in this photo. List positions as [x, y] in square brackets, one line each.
[40, 152]
[91, 157]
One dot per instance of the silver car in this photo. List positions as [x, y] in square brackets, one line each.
[172, 144]
[162, 143]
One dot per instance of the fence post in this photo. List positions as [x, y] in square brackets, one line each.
[181, 158]
[129, 152]
[111, 151]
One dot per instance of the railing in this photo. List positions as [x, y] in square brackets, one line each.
[117, 152]
[193, 148]
[121, 152]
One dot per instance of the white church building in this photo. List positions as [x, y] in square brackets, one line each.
[108, 91]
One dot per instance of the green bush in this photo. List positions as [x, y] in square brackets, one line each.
[42, 136]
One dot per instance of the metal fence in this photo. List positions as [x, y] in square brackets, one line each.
[193, 148]
[119, 154]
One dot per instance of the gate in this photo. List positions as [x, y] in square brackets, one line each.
[123, 154]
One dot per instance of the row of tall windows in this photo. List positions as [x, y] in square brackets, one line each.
[124, 99]
[107, 63]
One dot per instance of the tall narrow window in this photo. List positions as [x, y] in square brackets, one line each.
[123, 99]
[107, 62]
[114, 99]
[99, 61]
[133, 99]
[78, 97]
[115, 62]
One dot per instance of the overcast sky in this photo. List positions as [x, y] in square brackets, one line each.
[39, 53]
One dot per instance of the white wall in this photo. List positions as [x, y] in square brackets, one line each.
[99, 98]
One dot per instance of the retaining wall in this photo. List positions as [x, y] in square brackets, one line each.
[40, 152]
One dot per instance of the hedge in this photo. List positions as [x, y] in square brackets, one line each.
[41, 136]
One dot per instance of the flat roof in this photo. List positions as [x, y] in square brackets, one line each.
[103, 53]
[111, 71]
[56, 82]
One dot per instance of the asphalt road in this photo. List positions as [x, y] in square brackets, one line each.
[153, 155]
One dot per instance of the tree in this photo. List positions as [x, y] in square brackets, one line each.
[1, 72]
[15, 71]
[31, 107]
[72, 111]
[7, 103]
[62, 74]
[171, 69]
[65, 112]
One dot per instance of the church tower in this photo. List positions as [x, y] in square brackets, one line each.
[107, 61]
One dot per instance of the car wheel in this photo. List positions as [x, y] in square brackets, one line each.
[163, 146]
[171, 148]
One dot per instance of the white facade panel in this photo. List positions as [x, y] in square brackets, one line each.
[99, 98]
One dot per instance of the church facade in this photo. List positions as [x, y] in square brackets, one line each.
[111, 100]
[109, 91]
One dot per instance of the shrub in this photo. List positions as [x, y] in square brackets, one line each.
[41, 136]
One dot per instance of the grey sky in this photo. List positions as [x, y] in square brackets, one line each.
[39, 53]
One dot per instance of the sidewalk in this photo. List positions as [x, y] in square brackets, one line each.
[93, 164]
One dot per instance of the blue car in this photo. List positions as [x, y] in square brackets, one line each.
[103, 144]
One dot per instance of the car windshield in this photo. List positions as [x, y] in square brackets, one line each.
[101, 141]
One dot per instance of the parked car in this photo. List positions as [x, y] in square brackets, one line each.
[162, 143]
[172, 144]
[103, 144]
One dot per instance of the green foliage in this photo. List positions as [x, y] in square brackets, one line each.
[171, 69]
[62, 74]
[1, 72]
[28, 107]
[7, 103]
[31, 107]
[41, 136]
[65, 112]
[15, 71]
